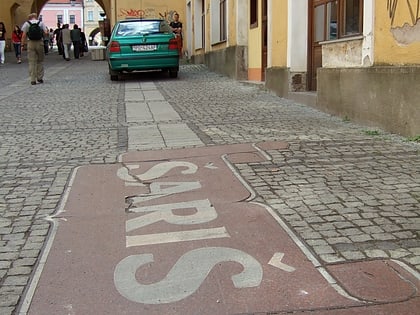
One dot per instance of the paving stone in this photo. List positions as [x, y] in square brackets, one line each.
[353, 255]
[399, 253]
[372, 253]
[9, 300]
[15, 280]
[19, 271]
[323, 250]
[331, 258]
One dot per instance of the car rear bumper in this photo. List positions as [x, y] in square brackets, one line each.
[135, 63]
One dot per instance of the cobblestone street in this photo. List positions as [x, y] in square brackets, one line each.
[349, 192]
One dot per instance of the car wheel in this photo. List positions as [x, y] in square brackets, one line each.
[173, 73]
[113, 74]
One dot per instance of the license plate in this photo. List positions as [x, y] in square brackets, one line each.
[144, 47]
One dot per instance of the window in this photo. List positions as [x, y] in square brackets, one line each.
[60, 18]
[199, 26]
[136, 28]
[203, 23]
[72, 19]
[223, 26]
[218, 21]
[352, 17]
[253, 21]
[40, 17]
[334, 19]
[90, 16]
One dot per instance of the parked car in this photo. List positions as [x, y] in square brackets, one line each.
[142, 44]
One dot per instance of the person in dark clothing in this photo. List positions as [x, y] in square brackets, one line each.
[76, 38]
[2, 42]
[83, 44]
[46, 42]
[58, 39]
[176, 26]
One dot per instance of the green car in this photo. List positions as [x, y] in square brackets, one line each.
[142, 44]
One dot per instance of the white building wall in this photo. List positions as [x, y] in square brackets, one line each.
[297, 37]
[242, 24]
[368, 27]
[189, 33]
[197, 25]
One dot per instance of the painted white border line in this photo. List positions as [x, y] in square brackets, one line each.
[327, 276]
[331, 280]
[27, 300]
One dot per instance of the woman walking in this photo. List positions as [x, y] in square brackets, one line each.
[2, 42]
[17, 43]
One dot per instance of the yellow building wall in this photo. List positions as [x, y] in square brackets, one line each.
[232, 23]
[255, 49]
[122, 9]
[397, 33]
[231, 31]
[16, 12]
[279, 33]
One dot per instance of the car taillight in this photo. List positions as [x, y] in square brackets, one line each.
[115, 47]
[173, 44]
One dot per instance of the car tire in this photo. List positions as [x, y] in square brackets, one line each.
[113, 74]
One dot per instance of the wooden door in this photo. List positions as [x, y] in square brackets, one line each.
[323, 19]
[314, 47]
[264, 34]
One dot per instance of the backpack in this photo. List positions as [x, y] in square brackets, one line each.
[35, 32]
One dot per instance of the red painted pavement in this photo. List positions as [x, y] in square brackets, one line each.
[130, 244]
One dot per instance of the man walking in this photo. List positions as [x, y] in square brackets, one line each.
[66, 39]
[76, 39]
[58, 39]
[33, 34]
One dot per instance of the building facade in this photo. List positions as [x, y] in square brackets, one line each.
[357, 59]
[63, 12]
[93, 15]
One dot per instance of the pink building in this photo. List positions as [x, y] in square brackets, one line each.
[63, 12]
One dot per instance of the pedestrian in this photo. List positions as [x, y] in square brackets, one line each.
[176, 26]
[47, 42]
[66, 40]
[83, 45]
[2, 42]
[17, 43]
[57, 35]
[51, 38]
[76, 40]
[33, 33]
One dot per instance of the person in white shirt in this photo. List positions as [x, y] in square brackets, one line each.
[35, 49]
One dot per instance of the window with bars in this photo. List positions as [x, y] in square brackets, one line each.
[218, 20]
[72, 19]
[223, 23]
[253, 16]
[335, 19]
[203, 23]
[60, 18]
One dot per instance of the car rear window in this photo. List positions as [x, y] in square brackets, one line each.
[136, 28]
